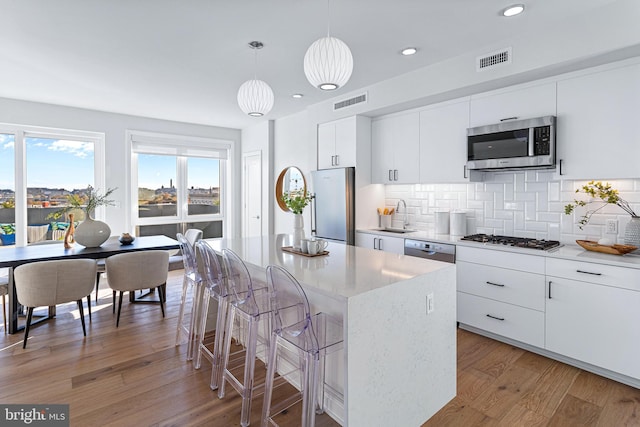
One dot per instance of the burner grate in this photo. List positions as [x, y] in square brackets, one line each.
[520, 242]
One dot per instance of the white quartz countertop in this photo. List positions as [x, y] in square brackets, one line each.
[345, 272]
[570, 251]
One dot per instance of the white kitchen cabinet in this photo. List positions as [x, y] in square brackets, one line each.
[593, 322]
[380, 242]
[337, 143]
[515, 102]
[502, 293]
[596, 131]
[395, 142]
[443, 142]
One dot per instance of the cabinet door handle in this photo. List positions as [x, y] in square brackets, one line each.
[495, 317]
[390, 175]
[549, 289]
[509, 118]
[560, 166]
[588, 272]
[495, 284]
[395, 174]
[380, 244]
[375, 239]
[464, 172]
[337, 160]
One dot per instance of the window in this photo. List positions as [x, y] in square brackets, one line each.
[179, 184]
[57, 163]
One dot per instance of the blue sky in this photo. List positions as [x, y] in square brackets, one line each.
[69, 164]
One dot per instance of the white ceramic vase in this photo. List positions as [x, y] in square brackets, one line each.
[298, 230]
[92, 233]
[632, 232]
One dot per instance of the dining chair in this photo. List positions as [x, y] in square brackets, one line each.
[49, 283]
[192, 235]
[4, 291]
[132, 271]
[309, 336]
[215, 287]
[251, 308]
[191, 281]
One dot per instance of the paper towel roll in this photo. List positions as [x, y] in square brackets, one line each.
[442, 222]
[458, 223]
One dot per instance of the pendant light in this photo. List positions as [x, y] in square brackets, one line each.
[328, 63]
[255, 97]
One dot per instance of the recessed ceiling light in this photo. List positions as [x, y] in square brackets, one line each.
[513, 10]
[409, 51]
[297, 95]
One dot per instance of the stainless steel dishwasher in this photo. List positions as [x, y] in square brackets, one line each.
[430, 250]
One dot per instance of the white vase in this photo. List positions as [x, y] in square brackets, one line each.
[298, 230]
[632, 232]
[92, 233]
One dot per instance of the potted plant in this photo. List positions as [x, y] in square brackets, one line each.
[296, 201]
[605, 194]
[8, 234]
[89, 233]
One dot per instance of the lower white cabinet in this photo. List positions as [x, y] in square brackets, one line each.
[502, 293]
[593, 322]
[380, 242]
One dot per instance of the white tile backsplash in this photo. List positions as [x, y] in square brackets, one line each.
[524, 204]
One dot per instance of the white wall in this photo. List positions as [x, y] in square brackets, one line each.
[522, 204]
[294, 146]
[114, 126]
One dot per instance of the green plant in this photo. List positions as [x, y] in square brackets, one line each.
[8, 228]
[295, 201]
[88, 203]
[597, 190]
[9, 204]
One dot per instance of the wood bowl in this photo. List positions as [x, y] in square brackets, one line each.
[606, 249]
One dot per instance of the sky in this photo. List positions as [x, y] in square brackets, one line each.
[55, 163]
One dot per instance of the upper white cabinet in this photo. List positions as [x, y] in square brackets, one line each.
[395, 143]
[521, 102]
[337, 143]
[596, 132]
[443, 142]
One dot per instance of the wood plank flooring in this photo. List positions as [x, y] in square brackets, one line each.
[135, 376]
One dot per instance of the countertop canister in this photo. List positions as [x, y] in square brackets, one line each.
[458, 223]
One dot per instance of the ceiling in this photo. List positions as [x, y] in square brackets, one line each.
[184, 60]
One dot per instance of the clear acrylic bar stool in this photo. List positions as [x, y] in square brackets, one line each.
[251, 308]
[215, 287]
[191, 280]
[310, 337]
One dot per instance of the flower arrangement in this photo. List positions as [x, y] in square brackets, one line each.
[8, 228]
[598, 190]
[296, 201]
[88, 203]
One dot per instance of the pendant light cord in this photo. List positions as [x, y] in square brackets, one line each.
[328, 19]
[255, 64]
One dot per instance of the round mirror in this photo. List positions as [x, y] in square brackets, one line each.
[290, 180]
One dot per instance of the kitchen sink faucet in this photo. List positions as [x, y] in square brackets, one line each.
[405, 221]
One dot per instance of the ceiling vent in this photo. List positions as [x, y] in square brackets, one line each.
[493, 59]
[350, 102]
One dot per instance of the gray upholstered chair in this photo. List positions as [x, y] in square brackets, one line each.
[4, 290]
[132, 271]
[49, 283]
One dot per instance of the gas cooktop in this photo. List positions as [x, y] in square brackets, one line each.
[520, 242]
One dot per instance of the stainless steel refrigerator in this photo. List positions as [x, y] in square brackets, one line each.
[333, 215]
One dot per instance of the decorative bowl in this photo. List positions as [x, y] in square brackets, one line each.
[606, 249]
[126, 239]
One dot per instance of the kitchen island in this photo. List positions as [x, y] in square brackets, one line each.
[398, 365]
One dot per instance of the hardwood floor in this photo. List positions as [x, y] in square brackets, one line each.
[134, 375]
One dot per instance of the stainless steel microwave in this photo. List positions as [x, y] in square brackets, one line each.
[513, 144]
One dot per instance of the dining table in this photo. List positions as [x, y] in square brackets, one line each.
[14, 256]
